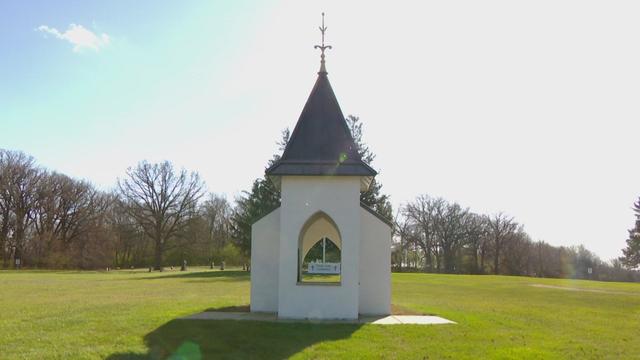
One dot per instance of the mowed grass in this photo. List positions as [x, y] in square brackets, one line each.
[134, 315]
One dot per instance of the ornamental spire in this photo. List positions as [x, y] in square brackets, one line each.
[323, 47]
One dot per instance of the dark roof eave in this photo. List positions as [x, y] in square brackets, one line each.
[321, 169]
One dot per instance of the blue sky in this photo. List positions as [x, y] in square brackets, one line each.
[60, 100]
[527, 108]
[151, 92]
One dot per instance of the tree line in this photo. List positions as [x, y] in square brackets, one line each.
[159, 216]
[436, 235]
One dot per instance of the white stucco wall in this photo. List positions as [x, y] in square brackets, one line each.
[375, 265]
[302, 197]
[265, 239]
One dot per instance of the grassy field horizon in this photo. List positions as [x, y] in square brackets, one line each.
[133, 314]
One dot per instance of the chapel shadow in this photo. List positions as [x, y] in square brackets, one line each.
[230, 339]
[232, 308]
[237, 275]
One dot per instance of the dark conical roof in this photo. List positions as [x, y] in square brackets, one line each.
[321, 143]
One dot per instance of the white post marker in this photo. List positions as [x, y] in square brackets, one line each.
[324, 248]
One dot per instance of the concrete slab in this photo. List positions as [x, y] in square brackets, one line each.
[272, 317]
[422, 320]
[384, 320]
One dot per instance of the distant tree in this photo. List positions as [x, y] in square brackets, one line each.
[517, 254]
[501, 228]
[282, 144]
[161, 201]
[544, 260]
[451, 232]
[91, 247]
[631, 258]
[355, 127]
[422, 213]
[373, 196]
[618, 271]
[217, 212]
[441, 230]
[583, 261]
[130, 244]
[5, 207]
[403, 236]
[64, 212]
[20, 178]
[192, 243]
[251, 207]
[476, 240]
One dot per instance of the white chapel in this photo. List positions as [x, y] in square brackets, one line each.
[322, 254]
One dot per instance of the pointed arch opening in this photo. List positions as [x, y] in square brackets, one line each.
[320, 251]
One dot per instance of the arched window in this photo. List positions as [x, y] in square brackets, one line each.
[319, 251]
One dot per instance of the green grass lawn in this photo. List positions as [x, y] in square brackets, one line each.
[133, 315]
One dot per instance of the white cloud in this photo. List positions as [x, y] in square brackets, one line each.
[79, 36]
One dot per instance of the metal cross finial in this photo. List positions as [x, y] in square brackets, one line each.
[322, 47]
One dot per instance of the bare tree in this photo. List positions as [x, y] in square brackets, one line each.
[631, 253]
[217, 212]
[64, 212]
[501, 227]
[476, 240]
[129, 241]
[5, 207]
[421, 213]
[518, 253]
[400, 236]
[449, 224]
[20, 178]
[161, 201]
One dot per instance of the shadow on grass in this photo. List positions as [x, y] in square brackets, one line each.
[233, 308]
[228, 275]
[229, 339]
